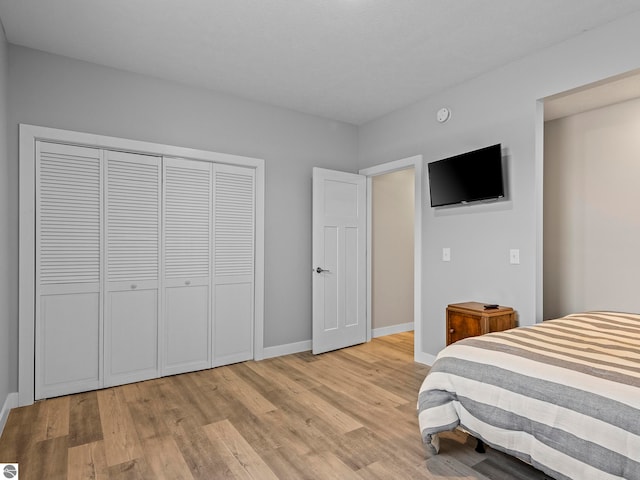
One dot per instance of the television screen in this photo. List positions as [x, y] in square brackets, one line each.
[468, 177]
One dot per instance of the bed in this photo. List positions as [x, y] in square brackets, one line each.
[563, 395]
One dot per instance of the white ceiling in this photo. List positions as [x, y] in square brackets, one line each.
[349, 60]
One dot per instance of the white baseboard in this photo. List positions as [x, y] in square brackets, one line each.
[305, 346]
[390, 330]
[425, 358]
[288, 349]
[10, 402]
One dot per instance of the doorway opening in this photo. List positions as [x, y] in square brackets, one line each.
[392, 243]
[385, 326]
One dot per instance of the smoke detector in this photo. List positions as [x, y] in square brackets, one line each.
[443, 115]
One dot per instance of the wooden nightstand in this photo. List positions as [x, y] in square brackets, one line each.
[470, 319]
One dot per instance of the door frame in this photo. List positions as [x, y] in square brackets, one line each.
[29, 134]
[390, 167]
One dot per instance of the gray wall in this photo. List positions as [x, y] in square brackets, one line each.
[59, 92]
[500, 106]
[591, 220]
[392, 249]
[8, 251]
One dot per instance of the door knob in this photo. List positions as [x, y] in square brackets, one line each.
[320, 270]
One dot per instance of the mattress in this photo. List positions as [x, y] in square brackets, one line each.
[563, 395]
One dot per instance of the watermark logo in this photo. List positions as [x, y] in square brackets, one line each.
[9, 470]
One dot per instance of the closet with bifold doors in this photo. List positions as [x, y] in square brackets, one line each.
[144, 266]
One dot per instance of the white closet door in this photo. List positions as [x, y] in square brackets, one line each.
[234, 246]
[132, 267]
[187, 271]
[68, 243]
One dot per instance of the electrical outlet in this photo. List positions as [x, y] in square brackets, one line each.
[514, 256]
[446, 254]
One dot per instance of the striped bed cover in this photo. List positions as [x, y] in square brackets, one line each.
[563, 395]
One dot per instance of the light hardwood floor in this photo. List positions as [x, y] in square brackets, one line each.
[349, 414]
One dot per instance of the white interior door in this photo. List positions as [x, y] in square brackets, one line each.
[339, 259]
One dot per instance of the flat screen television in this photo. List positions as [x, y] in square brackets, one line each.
[469, 177]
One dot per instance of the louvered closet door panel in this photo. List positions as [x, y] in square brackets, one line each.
[133, 192]
[133, 185]
[68, 260]
[234, 237]
[187, 265]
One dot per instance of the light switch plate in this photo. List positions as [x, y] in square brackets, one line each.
[514, 256]
[446, 254]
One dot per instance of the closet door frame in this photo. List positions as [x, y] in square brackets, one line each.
[29, 135]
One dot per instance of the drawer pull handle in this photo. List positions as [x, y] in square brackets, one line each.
[451, 330]
[187, 282]
[133, 286]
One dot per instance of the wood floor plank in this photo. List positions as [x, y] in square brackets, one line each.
[314, 405]
[448, 466]
[165, 459]
[133, 470]
[328, 465]
[243, 392]
[359, 448]
[348, 381]
[347, 414]
[282, 376]
[377, 471]
[84, 419]
[53, 418]
[201, 394]
[87, 461]
[140, 391]
[334, 416]
[46, 459]
[505, 468]
[261, 379]
[121, 443]
[287, 465]
[373, 355]
[276, 430]
[243, 460]
[390, 424]
[146, 404]
[20, 433]
[203, 460]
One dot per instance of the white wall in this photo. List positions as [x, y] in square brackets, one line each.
[392, 244]
[8, 251]
[500, 106]
[59, 92]
[591, 217]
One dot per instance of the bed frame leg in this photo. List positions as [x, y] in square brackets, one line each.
[480, 446]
